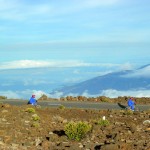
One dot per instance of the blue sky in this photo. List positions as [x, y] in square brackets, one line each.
[109, 35]
[90, 31]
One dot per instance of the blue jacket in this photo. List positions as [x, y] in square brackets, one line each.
[130, 102]
[32, 101]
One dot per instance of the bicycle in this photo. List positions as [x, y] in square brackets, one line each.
[135, 108]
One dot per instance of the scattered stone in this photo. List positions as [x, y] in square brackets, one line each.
[4, 111]
[65, 144]
[51, 133]
[132, 127]
[7, 139]
[2, 143]
[122, 140]
[27, 121]
[111, 116]
[124, 131]
[147, 129]
[3, 119]
[146, 122]
[81, 146]
[128, 141]
[14, 146]
[65, 121]
[37, 141]
[110, 147]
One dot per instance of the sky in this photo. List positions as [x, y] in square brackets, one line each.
[74, 33]
[87, 31]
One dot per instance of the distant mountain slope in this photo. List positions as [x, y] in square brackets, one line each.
[124, 80]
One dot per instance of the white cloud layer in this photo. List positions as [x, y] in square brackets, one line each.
[135, 93]
[26, 94]
[115, 93]
[10, 94]
[20, 64]
[143, 72]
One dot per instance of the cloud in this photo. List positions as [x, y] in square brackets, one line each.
[126, 66]
[9, 94]
[6, 84]
[96, 3]
[135, 93]
[10, 10]
[21, 10]
[73, 80]
[143, 72]
[20, 64]
[113, 93]
[34, 82]
[7, 4]
[26, 94]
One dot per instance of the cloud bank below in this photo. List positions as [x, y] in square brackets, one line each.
[26, 94]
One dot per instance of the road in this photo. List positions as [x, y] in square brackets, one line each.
[67, 104]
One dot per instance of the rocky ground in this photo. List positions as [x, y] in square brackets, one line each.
[21, 129]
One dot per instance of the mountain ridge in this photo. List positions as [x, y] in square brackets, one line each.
[121, 81]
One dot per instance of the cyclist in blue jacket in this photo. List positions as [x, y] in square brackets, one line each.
[131, 104]
[32, 100]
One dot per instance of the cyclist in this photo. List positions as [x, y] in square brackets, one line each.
[131, 103]
[32, 100]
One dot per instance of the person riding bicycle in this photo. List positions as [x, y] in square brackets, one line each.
[32, 100]
[131, 103]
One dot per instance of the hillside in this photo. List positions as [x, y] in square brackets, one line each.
[122, 81]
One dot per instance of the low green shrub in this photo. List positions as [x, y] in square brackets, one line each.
[104, 99]
[77, 130]
[102, 122]
[35, 118]
[128, 112]
[62, 107]
[30, 110]
[35, 124]
[3, 97]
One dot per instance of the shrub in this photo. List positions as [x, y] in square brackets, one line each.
[35, 124]
[128, 112]
[3, 97]
[35, 117]
[104, 99]
[62, 107]
[77, 130]
[30, 110]
[102, 122]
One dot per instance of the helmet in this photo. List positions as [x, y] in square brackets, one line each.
[33, 95]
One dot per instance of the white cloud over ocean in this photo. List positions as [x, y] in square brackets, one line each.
[20, 64]
[115, 93]
[143, 72]
[26, 94]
